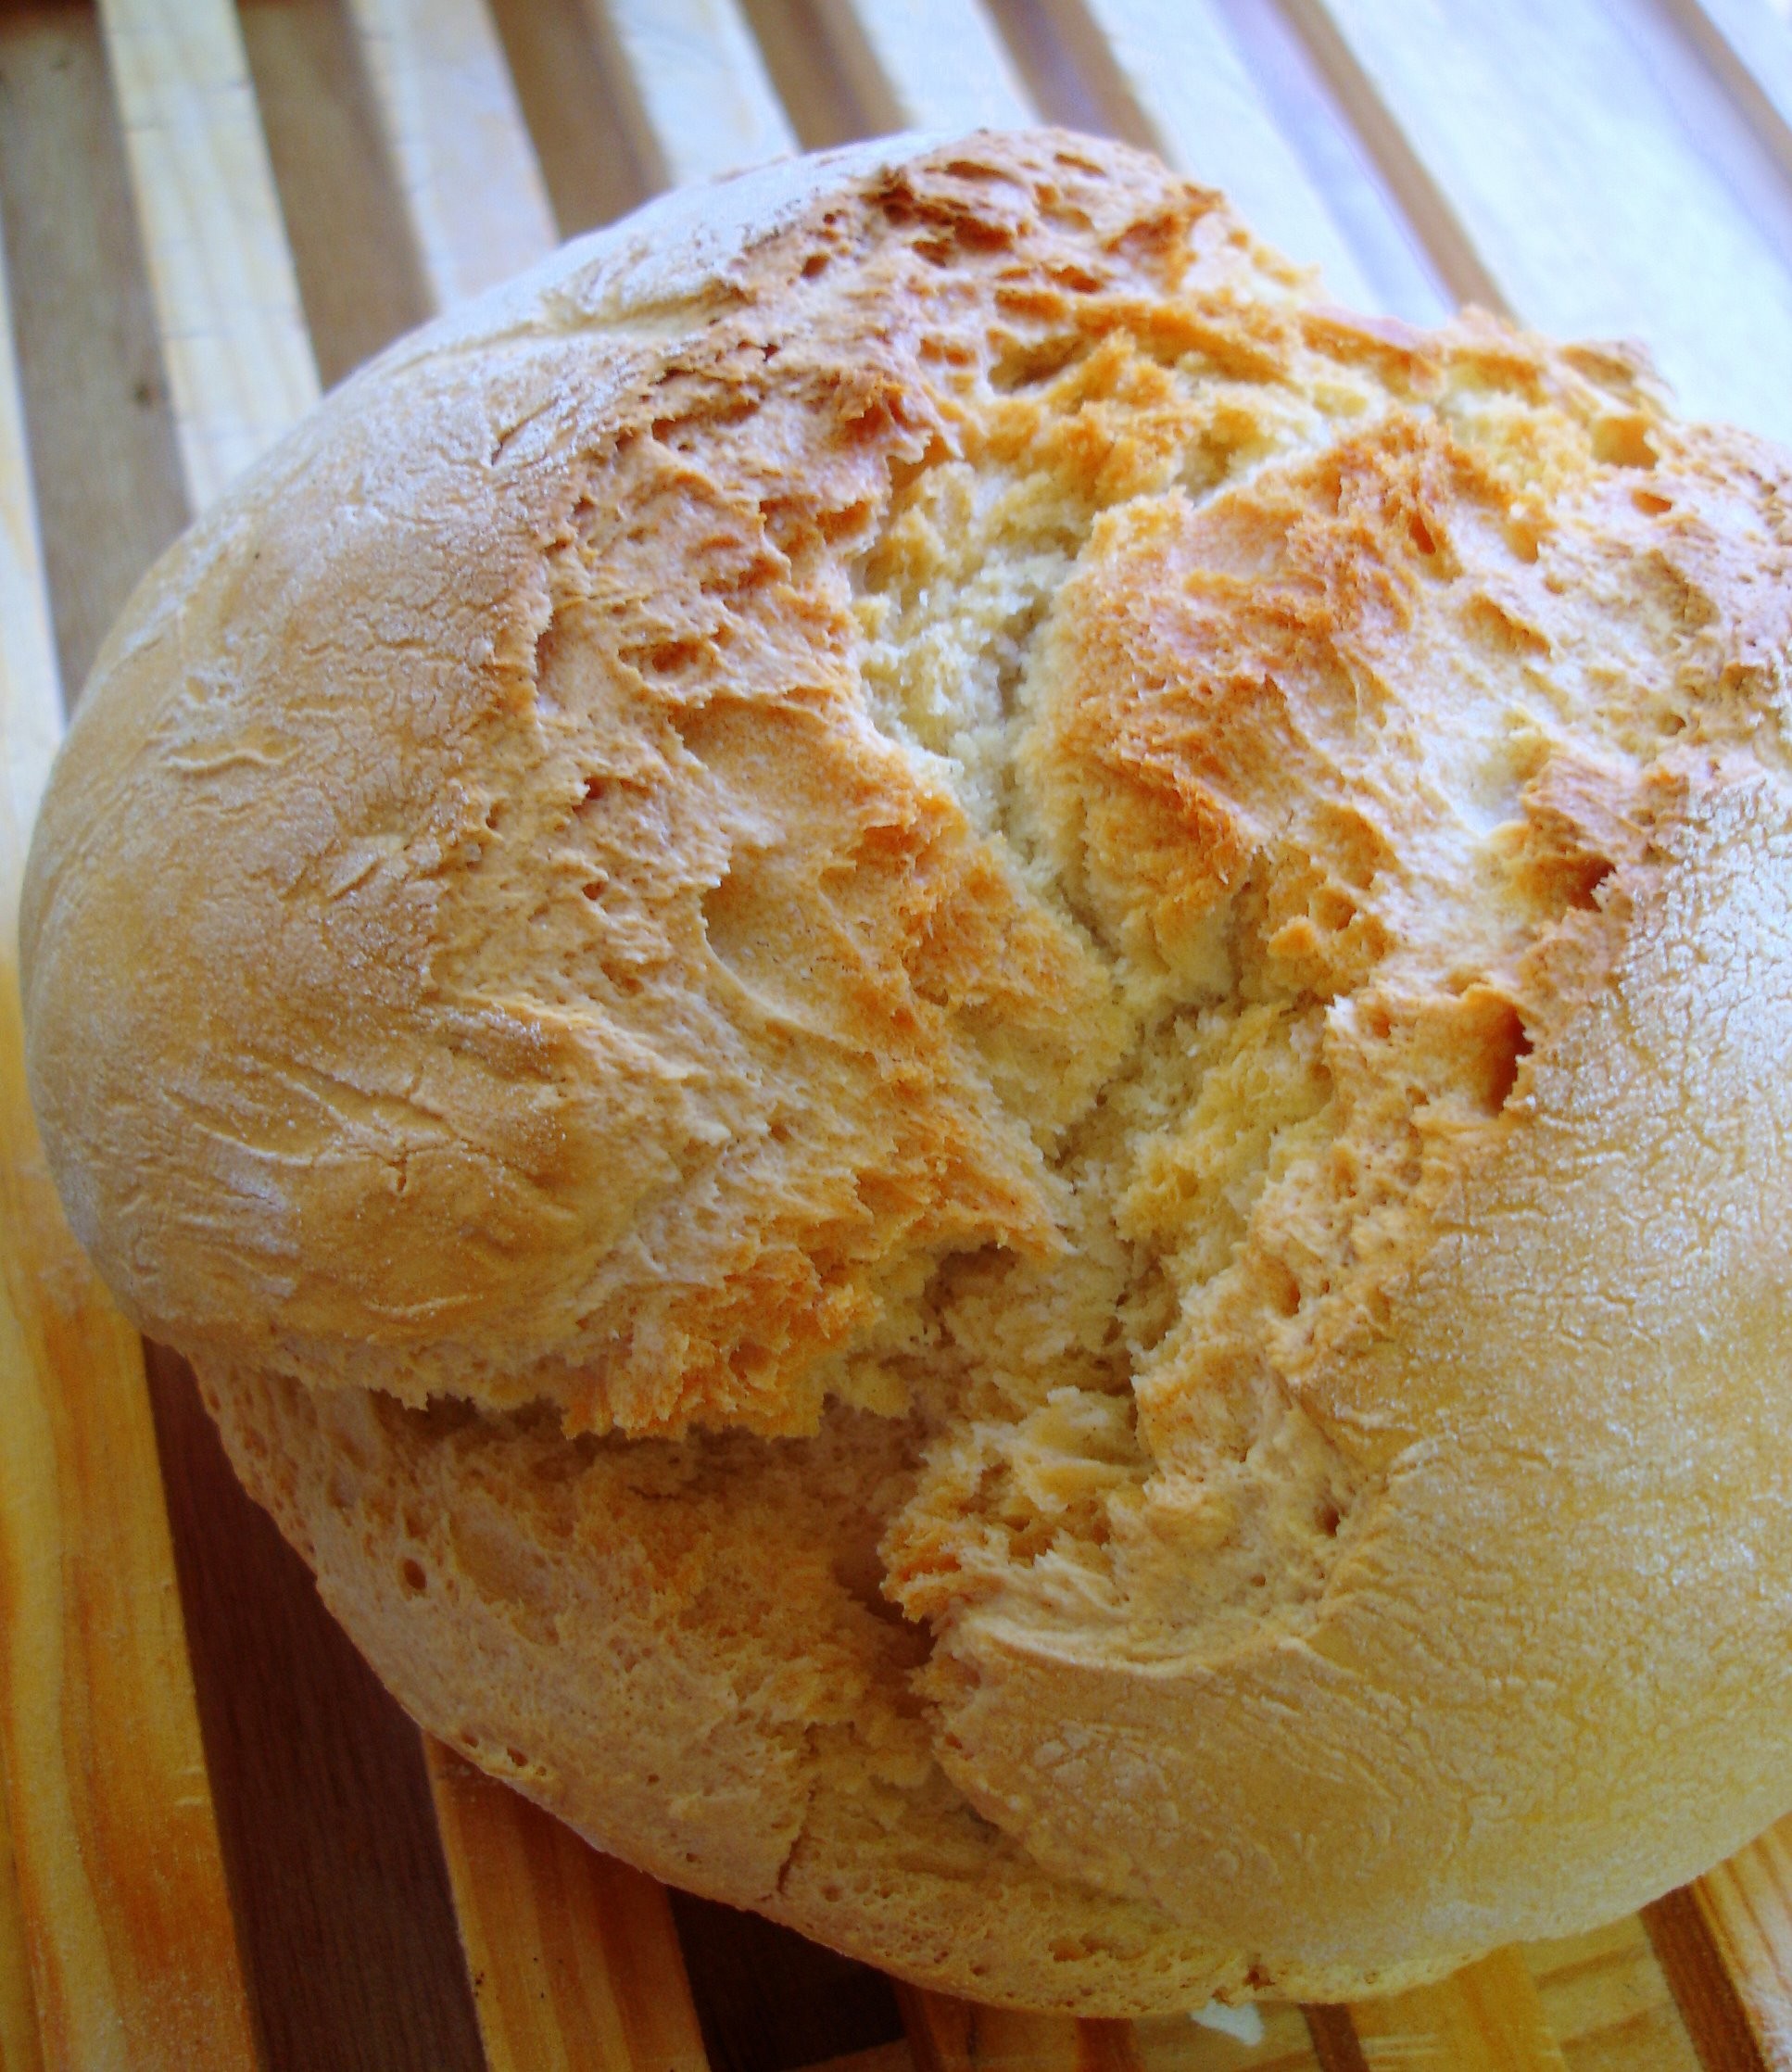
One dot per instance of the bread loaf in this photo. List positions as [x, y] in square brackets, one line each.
[960, 1048]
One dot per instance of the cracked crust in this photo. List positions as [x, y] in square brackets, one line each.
[965, 1068]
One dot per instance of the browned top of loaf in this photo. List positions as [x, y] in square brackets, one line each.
[649, 887]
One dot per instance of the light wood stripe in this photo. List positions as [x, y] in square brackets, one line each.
[929, 65]
[1608, 2003]
[1749, 45]
[575, 1960]
[1604, 186]
[131, 1947]
[238, 359]
[1486, 2018]
[1176, 67]
[472, 191]
[949, 2035]
[695, 84]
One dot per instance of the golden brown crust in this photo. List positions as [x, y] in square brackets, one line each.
[1046, 991]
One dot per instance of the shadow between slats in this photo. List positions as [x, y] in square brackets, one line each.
[1334, 2040]
[346, 1927]
[794, 40]
[1694, 1970]
[106, 473]
[1074, 85]
[359, 274]
[575, 117]
[769, 2001]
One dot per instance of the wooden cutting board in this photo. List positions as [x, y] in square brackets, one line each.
[222, 1845]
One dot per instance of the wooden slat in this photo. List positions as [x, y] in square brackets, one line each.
[1608, 2002]
[132, 1951]
[20, 2050]
[1486, 2018]
[472, 190]
[949, 2035]
[699, 98]
[1599, 184]
[239, 363]
[930, 65]
[1745, 1907]
[1394, 258]
[1176, 67]
[1749, 45]
[575, 1962]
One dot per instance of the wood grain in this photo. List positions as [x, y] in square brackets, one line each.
[1601, 184]
[1607, 2003]
[473, 192]
[132, 1944]
[575, 1959]
[238, 359]
[344, 1915]
[698, 98]
[575, 1962]
[949, 2035]
[107, 483]
[1748, 45]
[929, 65]
[1745, 1911]
[1487, 2018]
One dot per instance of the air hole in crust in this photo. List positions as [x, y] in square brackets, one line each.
[1623, 442]
[413, 1576]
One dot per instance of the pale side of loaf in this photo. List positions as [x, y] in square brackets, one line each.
[961, 1049]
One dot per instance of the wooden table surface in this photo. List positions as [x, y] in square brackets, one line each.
[222, 1845]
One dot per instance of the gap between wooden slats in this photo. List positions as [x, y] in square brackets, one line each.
[1572, 156]
[121, 1884]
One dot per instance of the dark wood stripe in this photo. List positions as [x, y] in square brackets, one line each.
[1335, 2041]
[1715, 2017]
[344, 1913]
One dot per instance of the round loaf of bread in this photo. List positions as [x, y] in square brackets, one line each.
[963, 1050]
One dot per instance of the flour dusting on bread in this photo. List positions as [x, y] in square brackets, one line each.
[940, 983]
